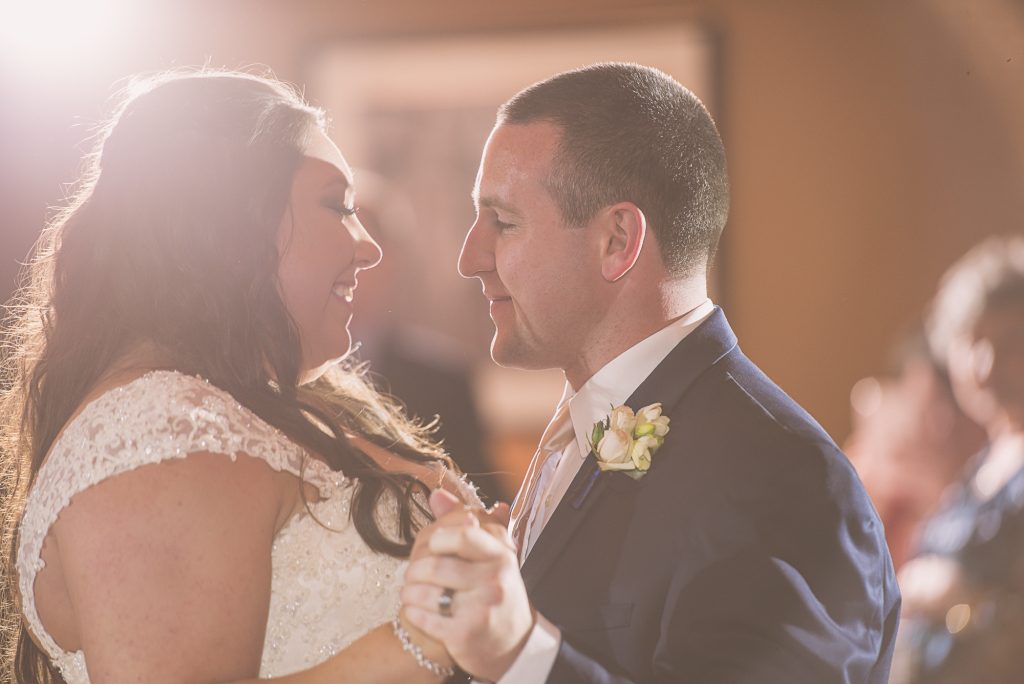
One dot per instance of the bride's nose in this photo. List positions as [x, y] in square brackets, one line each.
[368, 252]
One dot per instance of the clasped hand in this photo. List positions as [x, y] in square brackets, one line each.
[488, 618]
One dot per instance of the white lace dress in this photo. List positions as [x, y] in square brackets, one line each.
[328, 587]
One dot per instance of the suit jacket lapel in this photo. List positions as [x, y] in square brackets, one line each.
[700, 350]
[584, 491]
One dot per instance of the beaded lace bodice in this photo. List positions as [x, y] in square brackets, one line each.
[328, 587]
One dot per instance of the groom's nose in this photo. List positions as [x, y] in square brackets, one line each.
[477, 254]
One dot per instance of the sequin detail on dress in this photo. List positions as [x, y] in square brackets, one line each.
[328, 588]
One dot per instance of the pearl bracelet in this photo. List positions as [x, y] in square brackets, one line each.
[421, 659]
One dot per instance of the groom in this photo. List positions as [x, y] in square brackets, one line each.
[730, 543]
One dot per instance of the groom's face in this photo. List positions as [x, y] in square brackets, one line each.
[537, 273]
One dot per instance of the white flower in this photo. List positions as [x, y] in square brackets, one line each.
[622, 418]
[626, 441]
[613, 451]
[649, 421]
[640, 452]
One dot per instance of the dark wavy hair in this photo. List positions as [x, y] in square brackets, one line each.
[170, 241]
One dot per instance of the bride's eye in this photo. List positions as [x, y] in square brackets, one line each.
[342, 210]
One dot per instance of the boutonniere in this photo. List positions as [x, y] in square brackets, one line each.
[626, 441]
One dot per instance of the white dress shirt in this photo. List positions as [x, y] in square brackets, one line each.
[611, 386]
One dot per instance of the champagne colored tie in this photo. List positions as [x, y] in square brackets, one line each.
[558, 435]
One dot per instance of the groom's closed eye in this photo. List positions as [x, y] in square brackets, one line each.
[503, 226]
[502, 219]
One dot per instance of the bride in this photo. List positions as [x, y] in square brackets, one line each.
[195, 488]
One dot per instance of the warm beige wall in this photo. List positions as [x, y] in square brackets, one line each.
[870, 142]
[870, 145]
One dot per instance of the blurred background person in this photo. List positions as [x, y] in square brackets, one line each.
[424, 369]
[963, 615]
[910, 440]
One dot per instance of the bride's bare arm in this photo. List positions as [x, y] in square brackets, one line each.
[361, 662]
[168, 568]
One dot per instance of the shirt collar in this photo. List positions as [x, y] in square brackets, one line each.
[619, 378]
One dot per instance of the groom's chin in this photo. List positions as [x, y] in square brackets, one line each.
[508, 354]
[500, 355]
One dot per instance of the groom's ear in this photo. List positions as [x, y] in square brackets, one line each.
[623, 233]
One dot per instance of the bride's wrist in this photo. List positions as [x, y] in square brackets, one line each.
[431, 647]
[428, 653]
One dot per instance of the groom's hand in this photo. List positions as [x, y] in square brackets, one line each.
[491, 616]
[449, 511]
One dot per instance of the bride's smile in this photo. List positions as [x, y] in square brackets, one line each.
[322, 246]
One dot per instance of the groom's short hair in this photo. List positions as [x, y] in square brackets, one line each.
[633, 133]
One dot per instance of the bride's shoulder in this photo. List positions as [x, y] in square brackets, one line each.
[164, 390]
[165, 414]
[133, 395]
[151, 399]
[106, 456]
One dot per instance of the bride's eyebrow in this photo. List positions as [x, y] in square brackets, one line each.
[338, 183]
[338, 180]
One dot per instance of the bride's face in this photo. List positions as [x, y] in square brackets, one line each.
[322, 246]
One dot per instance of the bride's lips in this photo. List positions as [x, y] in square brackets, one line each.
[344, 290]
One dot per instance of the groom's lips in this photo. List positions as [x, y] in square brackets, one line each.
[496, 302]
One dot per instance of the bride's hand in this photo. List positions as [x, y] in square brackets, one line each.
[472, 555]
[451, 512]
[446, 508]
[454, 513]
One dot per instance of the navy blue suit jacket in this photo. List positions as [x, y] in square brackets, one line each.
[748, 553]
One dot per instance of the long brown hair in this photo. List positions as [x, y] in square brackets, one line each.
[169, 241]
